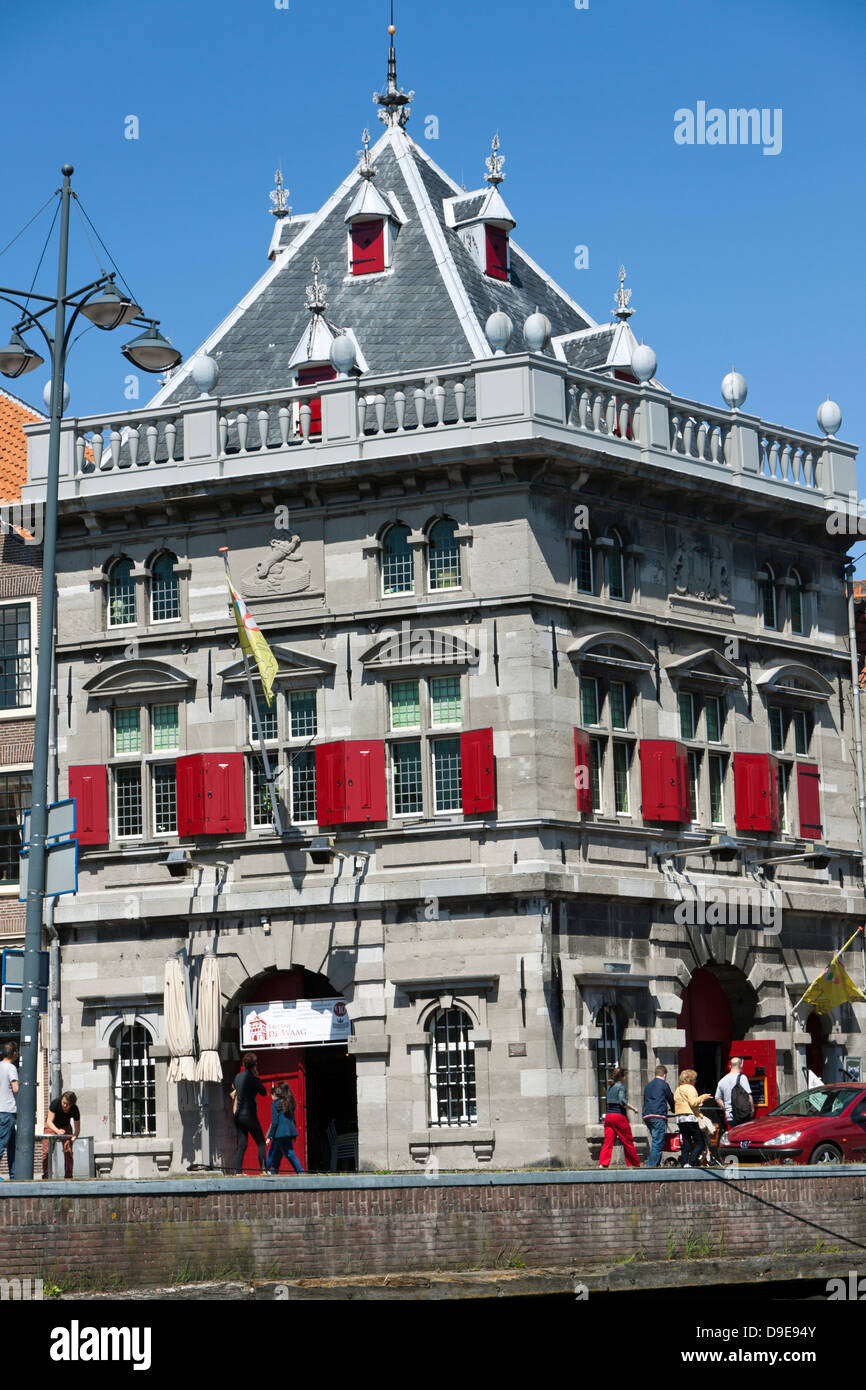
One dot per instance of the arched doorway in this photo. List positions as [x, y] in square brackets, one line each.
[321, 1075]
[718, 1007]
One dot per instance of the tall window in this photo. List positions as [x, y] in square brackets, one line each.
[616, 567]
[606, 705]
[797, 604]
[15, 799]
[717, 789]
[443, 556]
[143, 781]
[286, 725]
[121, 594]
[134, 1083]
[702, 726]
[584, 564]
[426, 773]
[164, 589]
[15, 677]
[451, 1069]
[607, 1050]
[398, 564]
[767, 587]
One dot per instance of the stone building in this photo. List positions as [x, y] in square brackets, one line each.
[545, 631]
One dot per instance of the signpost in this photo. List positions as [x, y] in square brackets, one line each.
[61, 855]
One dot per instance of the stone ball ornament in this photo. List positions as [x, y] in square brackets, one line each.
[536, 332]
[829, 417]
[500, 330]
[205, 374]
[46, 395]
[734, 389]
[343, 355]
[644, 363]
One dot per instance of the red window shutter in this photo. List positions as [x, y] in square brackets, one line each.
[309, 376]
[497, 253]
[366, 794]
[368, 247]
[478, 770]
[223, 793]
[664, 772]
[809, 798]
[89, 786]
[582, 779]
[756, 791]
[190, 795]
[330, 783]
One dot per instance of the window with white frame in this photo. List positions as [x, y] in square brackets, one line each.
[616, 577]
[143, 779]
[797, 604]
[134, 1082]
[584, 564]
[443, 556]
[15, 798]
[290, 723]
[606, 706]
[16, 684]
[451, 1068]
[426, 772]
[767, 591]
[609, 1021]
[164, 589]
[121, 594]
[398, 562]
[702, 729]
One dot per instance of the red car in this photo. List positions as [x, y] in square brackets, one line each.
[824, 1125]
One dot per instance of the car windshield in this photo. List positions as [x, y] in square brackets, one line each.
[823, 1100]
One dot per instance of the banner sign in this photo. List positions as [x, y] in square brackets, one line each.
[294, 1023]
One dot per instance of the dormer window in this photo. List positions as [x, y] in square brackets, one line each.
[497, 253]
[368, 247]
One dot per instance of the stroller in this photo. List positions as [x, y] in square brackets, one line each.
[712, 1122]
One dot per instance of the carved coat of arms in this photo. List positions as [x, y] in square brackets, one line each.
[282, 571]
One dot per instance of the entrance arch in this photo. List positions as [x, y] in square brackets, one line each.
[718, 1006]
[321, 1076]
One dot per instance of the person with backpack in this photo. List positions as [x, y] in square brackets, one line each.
[283, 1131]
[735, 1094]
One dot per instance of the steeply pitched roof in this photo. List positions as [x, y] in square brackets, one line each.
[14, 415]
[428, 309]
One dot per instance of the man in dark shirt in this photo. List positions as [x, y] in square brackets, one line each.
[63, 1118]
[247, 1087]
[658, 1102]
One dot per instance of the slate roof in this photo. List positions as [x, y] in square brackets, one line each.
[428, 310]
[586, 350]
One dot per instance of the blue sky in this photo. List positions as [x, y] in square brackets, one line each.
[733, 255]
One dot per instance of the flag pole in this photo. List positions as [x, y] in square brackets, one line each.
[270, 778]
[834, 958]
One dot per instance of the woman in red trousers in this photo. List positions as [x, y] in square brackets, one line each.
[616, 1125]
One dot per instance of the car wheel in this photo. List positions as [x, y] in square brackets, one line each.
[825, 1153]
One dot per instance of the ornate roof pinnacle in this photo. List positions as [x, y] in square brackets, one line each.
[495, 163]
[280, 198]
[622, 299]
[367, 170]
[316, 302]
[395, 103]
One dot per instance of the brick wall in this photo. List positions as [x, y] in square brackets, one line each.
[147, 1232]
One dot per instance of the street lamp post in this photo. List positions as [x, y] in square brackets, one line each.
[106, 308]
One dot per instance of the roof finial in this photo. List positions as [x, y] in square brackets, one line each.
[622, 299]
[280, 198]
[316, 302]
[367, 170]
[395, 102]
[495, 163]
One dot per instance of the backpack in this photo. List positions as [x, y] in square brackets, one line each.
[741, 1109]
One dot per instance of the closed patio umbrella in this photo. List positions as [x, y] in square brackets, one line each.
[209, 1021]
[178, 1024]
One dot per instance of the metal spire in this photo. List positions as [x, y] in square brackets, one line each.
[395, 102]
[367, 170]
[622, 299]
[495, 163]
[280, 198]
[316, 302]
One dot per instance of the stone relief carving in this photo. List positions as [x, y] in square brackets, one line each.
[282, 571]
[700, 572]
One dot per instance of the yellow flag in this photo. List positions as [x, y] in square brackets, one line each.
[833, 986]
[252, 641]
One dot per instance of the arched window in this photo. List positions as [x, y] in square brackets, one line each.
[134, 1082]
[164, 589]
[607, 1050]
[451, 1068]
[398, 567]
[443, 556]
[584, 564]
[767, 586]
[797, 604]
[616, 567]
[121, 594]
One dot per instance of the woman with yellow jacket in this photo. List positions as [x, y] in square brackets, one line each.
[687, 1109]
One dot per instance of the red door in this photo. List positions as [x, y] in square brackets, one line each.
[759, 1065]
[280, 1064]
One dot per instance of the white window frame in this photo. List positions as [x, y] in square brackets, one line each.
[26, 711]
